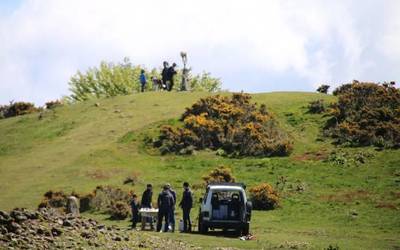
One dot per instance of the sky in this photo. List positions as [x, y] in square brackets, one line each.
[251, 45]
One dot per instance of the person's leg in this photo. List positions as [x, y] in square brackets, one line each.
[172, 220]
[189, 222]
[185, 218]
[166, 215]
[159, 221]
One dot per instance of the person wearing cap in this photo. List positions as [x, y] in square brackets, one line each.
[164, 202]
[186, 204]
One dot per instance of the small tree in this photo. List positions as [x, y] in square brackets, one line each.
[323, 89]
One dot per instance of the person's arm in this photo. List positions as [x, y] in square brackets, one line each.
[190, 198]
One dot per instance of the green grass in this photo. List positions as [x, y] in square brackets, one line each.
[81, 146]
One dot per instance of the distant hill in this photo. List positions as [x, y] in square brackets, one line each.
[329, 195]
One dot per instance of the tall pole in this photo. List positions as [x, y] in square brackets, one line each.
[185, 72]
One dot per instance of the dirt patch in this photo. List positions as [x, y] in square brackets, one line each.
[313, 156]
[346, 197]
[100, 174]
[387, 205]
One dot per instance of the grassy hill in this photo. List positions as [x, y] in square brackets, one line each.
[328, 199]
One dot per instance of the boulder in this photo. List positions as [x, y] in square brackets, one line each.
[73, 206]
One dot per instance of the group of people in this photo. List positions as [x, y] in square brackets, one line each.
[165, 83]
[166, 203]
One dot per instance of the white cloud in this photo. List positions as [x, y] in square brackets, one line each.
[45, 41]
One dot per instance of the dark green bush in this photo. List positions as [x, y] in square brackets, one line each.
[233, 124]
[323, 89]
[316, 107]
[365, 114]
[16, 109]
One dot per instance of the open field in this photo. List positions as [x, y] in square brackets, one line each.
[325, 202]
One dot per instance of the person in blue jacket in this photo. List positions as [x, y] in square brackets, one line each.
[143, 81]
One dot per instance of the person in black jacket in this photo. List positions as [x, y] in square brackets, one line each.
[186, 204]
[164, 75]
[135, 210]
[164, 202]
[147, 199]
[170, 76]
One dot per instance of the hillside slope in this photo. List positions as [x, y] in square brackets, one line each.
[100, 142]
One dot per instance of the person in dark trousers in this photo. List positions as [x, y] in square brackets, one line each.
[186, 204]
[172, 209]
[164, 202]
[147, 199]
[170, 76]
[135, 210]
[164, 76]
[143, 81]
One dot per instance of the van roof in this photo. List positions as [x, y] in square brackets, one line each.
[226, 187]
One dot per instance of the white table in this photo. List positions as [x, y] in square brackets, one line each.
[151, 213]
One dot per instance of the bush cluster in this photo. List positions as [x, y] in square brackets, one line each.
[119, 210]
[53, 104]
[107, 199]
[365, 114]
[316, 107]
[231, 124]
[112, 79]
[219, 174]
[264, 197]
[54, 199]
[16, 109]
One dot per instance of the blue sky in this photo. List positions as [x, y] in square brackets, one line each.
[252, 45]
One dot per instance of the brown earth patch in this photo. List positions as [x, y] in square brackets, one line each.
[100, 174]
[313, 156]
[387, 205]
[347, 196]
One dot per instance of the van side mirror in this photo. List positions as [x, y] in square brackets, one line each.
[200, 199]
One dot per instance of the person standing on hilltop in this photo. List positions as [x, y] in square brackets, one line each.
[186, 204]
[170, 76]
[164, 202]
[143, 81]
[164, 75]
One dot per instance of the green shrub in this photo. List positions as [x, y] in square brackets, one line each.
[219, 174]
[316, 107]
[264, 197]
[112, 79]
[233, 124]
[365, 114]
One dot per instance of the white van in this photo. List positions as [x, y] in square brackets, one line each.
[225, 206]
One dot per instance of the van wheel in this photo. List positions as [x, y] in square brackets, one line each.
[202, 228]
